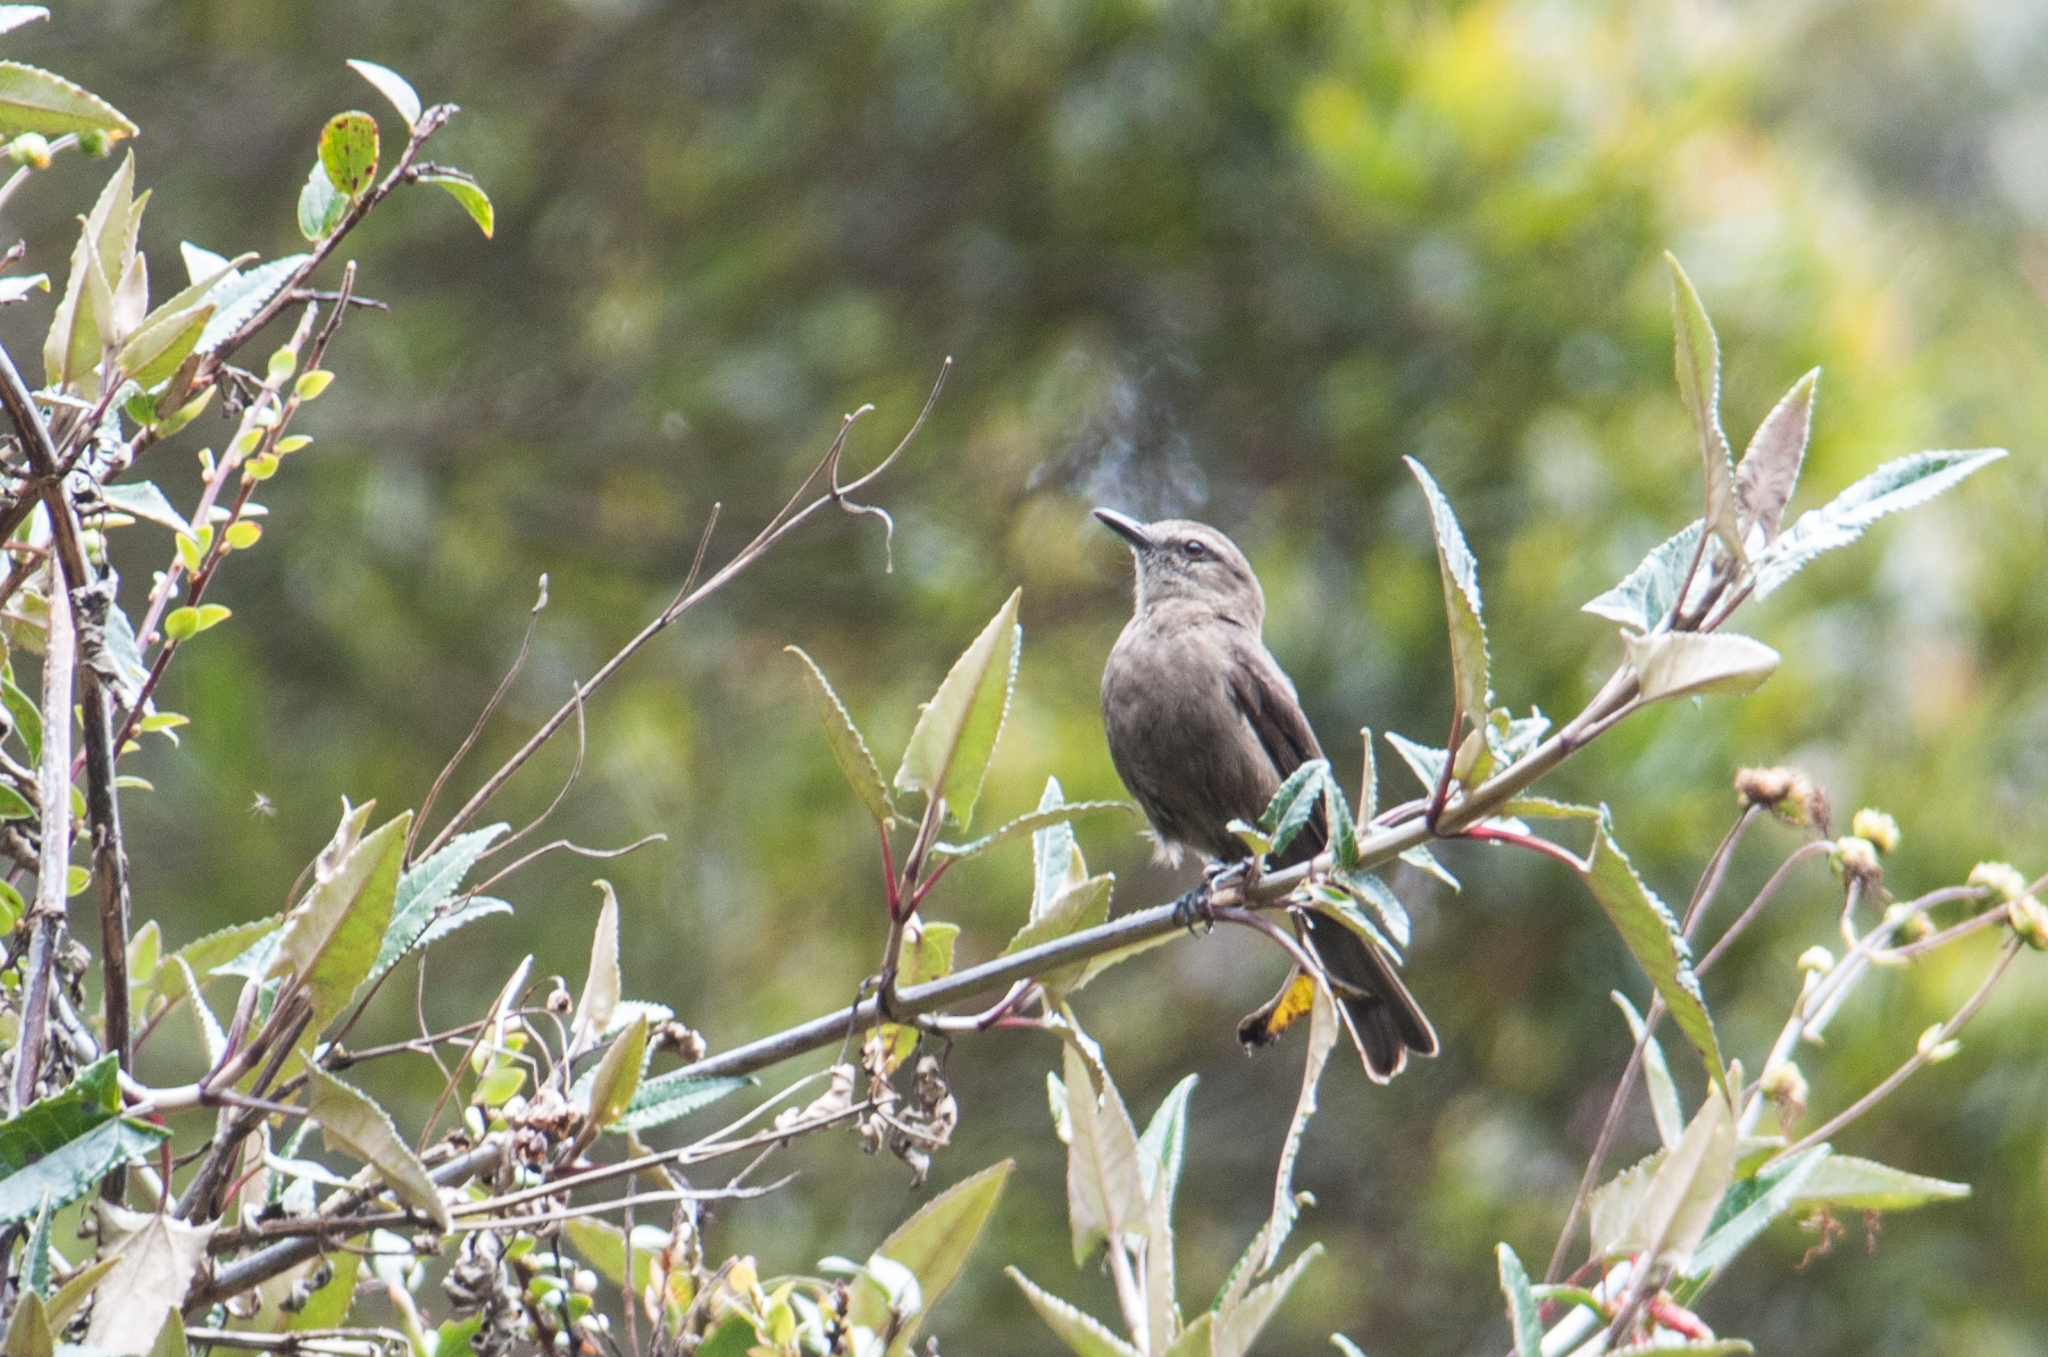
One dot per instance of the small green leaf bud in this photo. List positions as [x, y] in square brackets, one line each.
[2030, 921]
[1881, 829]
[2002, 879]
[30, 149]
[1786, 1086]
[1856, 857]
[94, 143]
[1933, 1047]
[1817, 959]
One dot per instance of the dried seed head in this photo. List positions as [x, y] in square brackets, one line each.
[1856, 858]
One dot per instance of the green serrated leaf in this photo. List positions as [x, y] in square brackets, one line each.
[423, 889]
[1653, 935]
[75, 1168]
[956, 733]
[1650, 591]
[154, 351]
[671, 1097]
[34, 100]
[1236, 1329]
[1699, 386]
[1287, 814]
[351, 1122]
[239, 296]
[1898, 485]
[1426, 763]
[331, 938]
[1522, 1314]
[1864, 1185]
[1084, 1334]
[933, 1244]
[1749, 1208]
[1470, 683]
[1377, 896]
[1030, 823]
[849, 750]
[1083, 904]
[348, 152]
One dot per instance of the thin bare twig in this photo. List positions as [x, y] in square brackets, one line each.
[1763, 897]
[1921, 1056]
[483, 718]
[53, 871]
[785, 521]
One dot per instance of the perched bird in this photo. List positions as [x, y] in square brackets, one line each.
[1204, 726]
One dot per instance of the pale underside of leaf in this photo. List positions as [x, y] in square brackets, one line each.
[1664, 1105]
[159, 1256]
[1678, 1205]
[1645, 596]
[1685, 663]
[1864, 1185]
[1522, 1312]
[1082, 1332]
[1237, 1328]
[1770, 467]
[1897, 485]
[351, 1122]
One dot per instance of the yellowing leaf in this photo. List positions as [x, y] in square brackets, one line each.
[348, 152]
[618, 1075]
[331, 936]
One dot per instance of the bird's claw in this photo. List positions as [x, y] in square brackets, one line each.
[1192, 909]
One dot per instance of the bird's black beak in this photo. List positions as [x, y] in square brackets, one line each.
[1126, 527]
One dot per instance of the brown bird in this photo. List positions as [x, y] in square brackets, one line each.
[1204, 726]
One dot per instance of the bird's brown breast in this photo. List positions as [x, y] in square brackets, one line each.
[1178, 736]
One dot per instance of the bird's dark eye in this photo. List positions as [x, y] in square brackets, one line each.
[1193, 549]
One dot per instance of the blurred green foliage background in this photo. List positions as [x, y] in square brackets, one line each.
[1223, 258]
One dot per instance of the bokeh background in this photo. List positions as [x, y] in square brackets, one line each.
[1226, 258]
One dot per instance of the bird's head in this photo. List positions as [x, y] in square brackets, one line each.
[1185, 562]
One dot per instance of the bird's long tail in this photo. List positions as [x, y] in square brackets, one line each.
[1389, 1022]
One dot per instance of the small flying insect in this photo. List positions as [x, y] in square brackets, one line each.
[263, 806]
